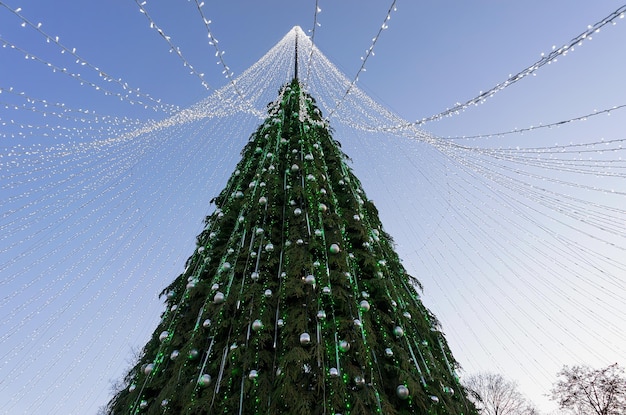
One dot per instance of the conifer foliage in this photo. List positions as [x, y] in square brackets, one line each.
[294, 301]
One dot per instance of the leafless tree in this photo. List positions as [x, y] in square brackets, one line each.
[586, 391]
[495, 395]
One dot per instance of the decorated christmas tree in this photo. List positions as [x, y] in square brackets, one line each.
[294, 301]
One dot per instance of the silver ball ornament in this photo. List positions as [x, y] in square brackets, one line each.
[163, 336]
[344, 345]
[388, 352]
[398, 331]
[402, 392]
[333, 372]
[364, 305]
[267, 293]
[334, 249]
[309, 279]
[253, 375]
[206, 323]
[174, 355]
[148, 369]
[305, 338]
[257, 325]
[434, 398]
[359, 381]
[218, 298]
[204, 380]
[193, 354]
[254, 276]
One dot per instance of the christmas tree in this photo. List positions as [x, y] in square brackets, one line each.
[294, 301]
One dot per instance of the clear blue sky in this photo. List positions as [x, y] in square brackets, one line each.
[84, 251]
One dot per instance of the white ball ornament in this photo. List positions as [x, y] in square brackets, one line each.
[326, 290]
[218, 298]
[364, 305]
[267, 293]
[357, 322]
[237, 172]
[323, 191]
[226, 266]
[148, 369]
[204, 380]
[238, 194]
[295, 168]
[257, 325]
[164, 335]
[280, 322]
[215, 287]
[398, 331]
[310, 178]
[297, 211]
[262, 200]
[259, 231]
[305, 338]
[200, 249]
[309, 157]
[170, 295]
[165, 402]
[230, 250]
[402, 392]
[318, 232]
[299, 242]
[334, 249]
[316, 264]
[251, 184]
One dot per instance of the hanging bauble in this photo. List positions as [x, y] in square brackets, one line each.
[448, 390]
[402, 392]
[333, 372]
[407, 315]
[269, 155]
[316, 264]
[297, 211]
[262, 184]
[193, 354]
[212, 235]
[238, 194]
[257, 325]
[364, 294]
[309, 279]
[359, 381]
[316, 145]
[271, 167]
[226, 266]
[218, 298]
[344, 345]
[388, 352]
[237, 172]
[259, 231]
[334, 249]
[204, 380]
[241, 219]
[253, 254]
[215, 287]
[382, 263]
[364, 305]
[323, 191]
[262, 200]
[143, 404]
[356, 218]
[165, 402]
[148, 369]
[170, 295]
[323, 207]
[318, 232]
[305, 338]
[174, 307]
[253, 375]
[267, 293]
[299, 242]
[132, 387]
[292, 202]
[283, 274]
[163, 336]
[200, 249]
[174, 355]
[357, 322]
[310, 178]
[287, 243]
[393, 303]
[191, 284]
[294, 151]
[295, 167]
[220, 215]
[251, 184]
[206, 323]
[434, 398]
[280, 322]
[398, 331]
[269, 247]
[308, 156]
[321, 314]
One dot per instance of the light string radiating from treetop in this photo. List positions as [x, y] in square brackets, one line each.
[545, 60]
[606, 111]
[156, 103]
[173, 47]
[317, 11]
[368, 52]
